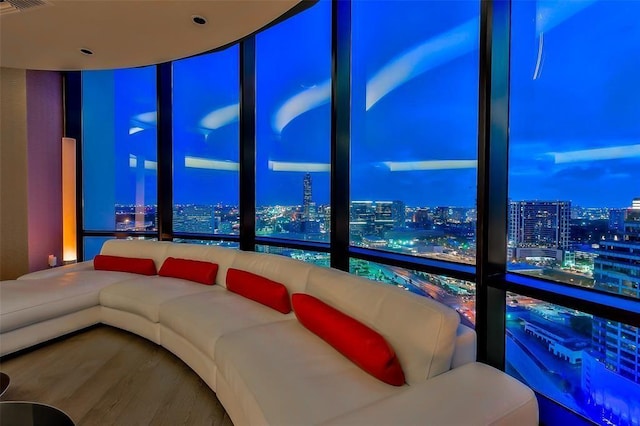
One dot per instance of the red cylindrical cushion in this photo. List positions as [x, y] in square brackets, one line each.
[192, 270]
[363, 346]
[134, 265]
[259, 289]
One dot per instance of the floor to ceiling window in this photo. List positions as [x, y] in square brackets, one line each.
[206, 92]
[119, 150]
[574, 188]
[575, 143]
[293, 127]
[414, 127]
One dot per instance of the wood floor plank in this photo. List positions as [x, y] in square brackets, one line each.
[106, 376]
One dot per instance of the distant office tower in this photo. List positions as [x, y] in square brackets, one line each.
[361, 218]
[398, 214]
[441, 215]
[617, 266]
[308, 223]
[616, 220]
[539, 229]
[306, 197]
[195, 218]
[611, 370]
[422, 218]
[384, 220]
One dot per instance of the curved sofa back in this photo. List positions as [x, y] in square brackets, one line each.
[222, 256]
[421, 330]
[140, 249]
[292, 273]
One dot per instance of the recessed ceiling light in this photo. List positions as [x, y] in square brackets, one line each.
[199, 20]
[86, 51]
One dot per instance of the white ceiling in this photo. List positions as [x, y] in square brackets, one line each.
[125, 33]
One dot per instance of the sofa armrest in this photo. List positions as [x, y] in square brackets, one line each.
[55, 272]
[466, 344]
[473, 394]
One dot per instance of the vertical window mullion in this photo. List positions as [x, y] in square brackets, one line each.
[248, 143]
[164, 77]
[340, 132]
[493, 125]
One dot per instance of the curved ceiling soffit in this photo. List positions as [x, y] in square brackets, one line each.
[50, 34]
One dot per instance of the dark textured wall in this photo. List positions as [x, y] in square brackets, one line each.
[44, 149]
[30, 170]
[14, 253]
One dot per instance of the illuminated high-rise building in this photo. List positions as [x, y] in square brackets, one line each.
[398, 214]
[361, 218]
[422, 219]
[383, 217]
[306, 197]
[194, 218]
[611, 370]
[539, 229]
[617, 267]
[616, 220]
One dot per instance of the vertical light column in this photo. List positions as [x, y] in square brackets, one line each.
[69, 240]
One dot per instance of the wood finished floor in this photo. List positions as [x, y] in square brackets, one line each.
[106, 376]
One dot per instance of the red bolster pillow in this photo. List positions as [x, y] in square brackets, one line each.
[259, 289]
[192, 270]
[134, 265]
[363, 346]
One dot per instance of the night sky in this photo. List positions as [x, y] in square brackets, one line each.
[574, 113]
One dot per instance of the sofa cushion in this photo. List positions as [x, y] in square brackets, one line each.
[147, 249]
[293, 377]
[421, 331]
[193, 270]
[259, 289]
[133, 265]
[220, 255]
[202, 318]
[144, 295]
[87, 265]
[25, 302]
[284, 270]
[362, 345]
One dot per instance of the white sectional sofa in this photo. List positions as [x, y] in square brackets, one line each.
[265, 366]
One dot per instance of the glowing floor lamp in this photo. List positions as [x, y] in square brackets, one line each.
[69, 237]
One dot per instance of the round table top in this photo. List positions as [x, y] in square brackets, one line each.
[4, 382]
[24, 413]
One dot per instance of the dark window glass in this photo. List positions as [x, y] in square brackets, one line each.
[574, 161]
[206, 93]
[458, 294]
[119, 154]
[414, 127]
[318, 258]
[575, 359]
[219, 243]
[293, 140]
[93, 245]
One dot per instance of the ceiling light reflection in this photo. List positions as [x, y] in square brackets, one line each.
[297, 105]
[220, 117]
[597, 154]
[281, 166]
[205, 163]
[406, 166]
